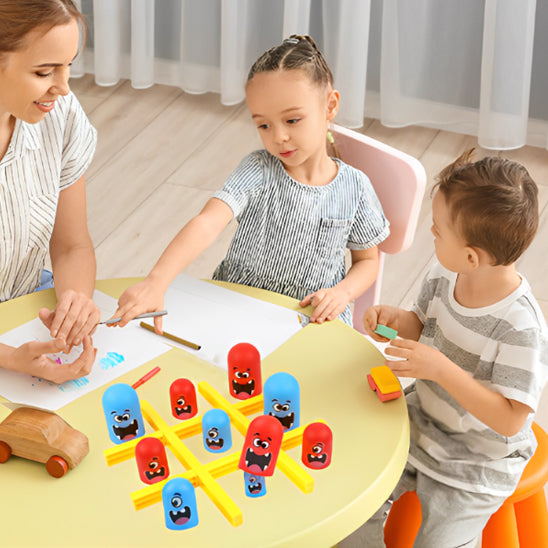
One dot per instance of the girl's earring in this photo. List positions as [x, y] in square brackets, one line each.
[334, 149]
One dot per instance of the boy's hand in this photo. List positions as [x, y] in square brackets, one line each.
[32, 358]
[380, 314]
[419, 360]
[137, 299]
[74, 317]
[327, 303]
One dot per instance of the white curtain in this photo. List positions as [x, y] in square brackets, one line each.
[472, 66]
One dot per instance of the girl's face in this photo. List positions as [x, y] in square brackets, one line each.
[451, 249]
[32, 78]
[292, 114]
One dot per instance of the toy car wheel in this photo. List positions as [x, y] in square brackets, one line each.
[57, 466]
[5, 451]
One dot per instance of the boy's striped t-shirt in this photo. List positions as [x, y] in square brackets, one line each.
[503, 346]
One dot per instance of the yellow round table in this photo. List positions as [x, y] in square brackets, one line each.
[92, 506]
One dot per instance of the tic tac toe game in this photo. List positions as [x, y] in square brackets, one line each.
[105, 502]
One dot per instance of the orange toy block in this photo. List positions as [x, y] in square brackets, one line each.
[384, 382]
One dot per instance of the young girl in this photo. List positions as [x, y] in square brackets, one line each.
[297, 208]
[46, 144]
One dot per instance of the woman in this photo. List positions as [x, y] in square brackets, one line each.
[46, 144]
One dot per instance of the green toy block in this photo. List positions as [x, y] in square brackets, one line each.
[385, 331]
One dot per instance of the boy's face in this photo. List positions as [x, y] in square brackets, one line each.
[292, 114]
[451, 249]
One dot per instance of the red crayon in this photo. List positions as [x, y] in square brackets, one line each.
[145, 378]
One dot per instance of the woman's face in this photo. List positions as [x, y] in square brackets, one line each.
[33, 77]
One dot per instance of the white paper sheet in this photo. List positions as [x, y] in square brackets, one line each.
[214, 317]
[118, 351]
[217, 318]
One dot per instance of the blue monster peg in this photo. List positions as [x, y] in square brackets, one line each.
[216, 431]
[255, 486]
[179, 500]
[281, 395]
[123, 413]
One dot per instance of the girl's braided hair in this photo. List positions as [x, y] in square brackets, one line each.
[295, 52]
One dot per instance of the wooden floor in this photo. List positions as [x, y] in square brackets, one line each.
[162, 152]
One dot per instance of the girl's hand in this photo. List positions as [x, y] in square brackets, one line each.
[74, 317]
[142, 297]
[380, 314]
[327, 303]
[420, 361]
[32, 358]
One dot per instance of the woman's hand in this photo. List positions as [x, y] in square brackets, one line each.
[142, 297]
[327, 303]
[32, 358]
[74, 317]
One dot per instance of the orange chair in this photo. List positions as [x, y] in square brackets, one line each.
[399, 181]
[521, 522]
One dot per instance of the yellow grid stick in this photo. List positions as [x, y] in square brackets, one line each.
[188, 428]
[220, 467]
[204, 475]
[204, 479]
[300, 477]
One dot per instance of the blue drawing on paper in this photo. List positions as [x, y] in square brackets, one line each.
[73, 385]
[112, 359]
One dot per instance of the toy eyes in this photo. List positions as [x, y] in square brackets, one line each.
[317, 449]
[281, 407]
[181, 401]
[176, 501]
[153, 465]
[257, 442]
[213, 433]
[121, 418]
[241, 375]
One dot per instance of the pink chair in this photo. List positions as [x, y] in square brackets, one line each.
[399, 181]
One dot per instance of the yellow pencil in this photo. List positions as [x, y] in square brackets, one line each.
[171, 337]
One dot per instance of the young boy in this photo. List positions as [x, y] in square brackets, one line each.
[476, 342]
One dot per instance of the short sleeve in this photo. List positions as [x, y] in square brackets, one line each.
[521, 363]
[370, 227]
[79, 142]
[427, 291]
[246, 179]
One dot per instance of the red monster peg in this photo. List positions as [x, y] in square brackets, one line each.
[244, 371]
[183, 399]
[261, 446]
[151, 458]
[317, 445]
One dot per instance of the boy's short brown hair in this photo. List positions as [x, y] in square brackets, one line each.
[493, 202]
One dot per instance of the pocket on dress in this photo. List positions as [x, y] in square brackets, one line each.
[43, 209]
[333, 236]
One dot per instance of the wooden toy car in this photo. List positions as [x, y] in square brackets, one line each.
[42, 436]
[384, 382]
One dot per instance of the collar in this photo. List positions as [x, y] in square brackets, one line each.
[25, 137]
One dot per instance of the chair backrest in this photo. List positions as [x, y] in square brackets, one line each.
[399, 181]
